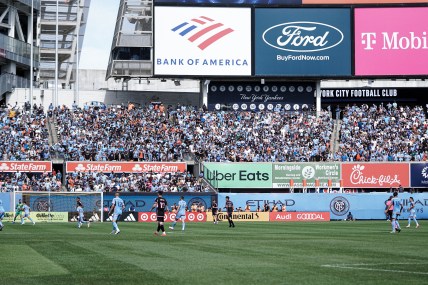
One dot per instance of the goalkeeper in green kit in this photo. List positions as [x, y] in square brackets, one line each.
[18, 210]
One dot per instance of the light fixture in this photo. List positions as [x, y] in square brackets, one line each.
[262, 81]
[163, 80]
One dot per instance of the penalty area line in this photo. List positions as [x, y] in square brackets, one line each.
[354, 266]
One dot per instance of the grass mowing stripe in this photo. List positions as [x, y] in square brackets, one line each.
[251, 253]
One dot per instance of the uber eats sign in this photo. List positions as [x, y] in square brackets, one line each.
[239, 175]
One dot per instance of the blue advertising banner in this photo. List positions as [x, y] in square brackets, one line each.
[303, 42]
[364, 206]
[7, 201]
[419, 175]
[143, 202]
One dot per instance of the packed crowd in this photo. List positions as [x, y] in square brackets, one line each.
[383, 133]
[18, 181]
[131, 182]
[168, 134]
[24, 135]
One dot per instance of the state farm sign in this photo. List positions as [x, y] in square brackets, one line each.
[25, 166]
[299, 216]
[128, 167]
[375, 175]
[169, 217]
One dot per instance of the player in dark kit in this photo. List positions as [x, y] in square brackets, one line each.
[214, 209]
[161, 206]
[229, 209]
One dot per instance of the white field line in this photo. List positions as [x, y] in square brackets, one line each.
[355, 267]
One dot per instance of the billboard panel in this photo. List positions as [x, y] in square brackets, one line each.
[222, 2]
[300, 175]
[391, 41]
[419, 174]
[202, 41]
[26, 166]
[375, 175]
[299, 216]
[128, 167]
[255, 96]
[239, 175]
[374, 2]
[302, 42]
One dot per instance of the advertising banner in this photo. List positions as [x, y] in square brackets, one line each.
[391, 41]
[255, 96]
[125, 217]
[170, 217]
[202, 41]
[419, 174]
[375, 175]
[8, 217]
[223, 2]
[299, 175]
[54, 217]
[239, 175]
[26, 166]
[7, 201]
[302, 42]
[374, 2]
[128, 167]
[299, 216]
[241, 216]
[363, 205]
[143, 202]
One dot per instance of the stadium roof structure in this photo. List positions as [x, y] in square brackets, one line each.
[131, 53]
[72, 19]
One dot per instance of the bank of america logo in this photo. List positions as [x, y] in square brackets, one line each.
[203, 31]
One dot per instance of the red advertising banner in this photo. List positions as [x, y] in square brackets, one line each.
[25, 166]
[128, 167]
[169, 217]
[375, 175]
[299, 216]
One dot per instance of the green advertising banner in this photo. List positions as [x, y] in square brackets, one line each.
[239, 175]
[285, 174]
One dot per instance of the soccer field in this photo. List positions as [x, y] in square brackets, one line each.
[252, 253]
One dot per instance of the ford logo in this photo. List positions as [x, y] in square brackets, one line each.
[303, 36]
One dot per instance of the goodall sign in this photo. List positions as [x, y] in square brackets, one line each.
[128, 167]
[375, 175]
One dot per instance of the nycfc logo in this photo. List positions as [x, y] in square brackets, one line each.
[198, 29]
[303, 36]
[42, 205]
[424, 172]
[197, 201]
[339, 206]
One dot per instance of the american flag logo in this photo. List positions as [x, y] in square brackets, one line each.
[202, 30]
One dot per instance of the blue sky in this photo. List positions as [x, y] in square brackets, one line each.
[99, 34]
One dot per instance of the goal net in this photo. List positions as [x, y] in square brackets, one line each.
[61, 206]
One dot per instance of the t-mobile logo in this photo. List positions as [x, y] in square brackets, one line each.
[368, 39]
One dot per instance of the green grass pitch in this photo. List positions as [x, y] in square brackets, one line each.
[361, 252]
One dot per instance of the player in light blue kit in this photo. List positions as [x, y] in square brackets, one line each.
[117, 206]
[412, 214]
[80, 213]
[396, 212]
[181, 214]
[26, 214]
[1, 215]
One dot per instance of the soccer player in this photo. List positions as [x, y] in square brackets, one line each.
[412, 213]
[388, 208]
[18, 210]
[161, 206]
[214, 210]
[229, 209]
[81, 217]
[117, 206]
[26, 214]
[396, 212]
[1, 215]
[181, 214]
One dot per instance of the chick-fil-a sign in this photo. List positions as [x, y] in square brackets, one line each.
[375, 175]
[391, 41]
